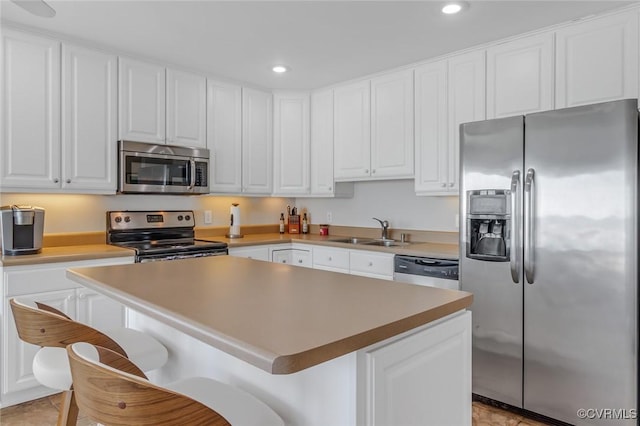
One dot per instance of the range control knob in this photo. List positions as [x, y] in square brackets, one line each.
[127, 219]
[180, 217]
[118, 219]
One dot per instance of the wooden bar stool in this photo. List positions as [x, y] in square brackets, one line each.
[52, 330]
[111, 390]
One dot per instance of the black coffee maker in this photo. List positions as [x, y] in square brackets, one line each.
[22, 228]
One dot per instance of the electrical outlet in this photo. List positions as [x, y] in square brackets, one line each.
[329, 217]
[208, 217]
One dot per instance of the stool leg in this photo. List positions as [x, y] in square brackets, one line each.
[68, 414]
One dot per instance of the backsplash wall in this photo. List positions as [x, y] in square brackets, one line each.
[393, 200]
[87, 213]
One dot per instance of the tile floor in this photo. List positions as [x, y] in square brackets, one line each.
[44, 411]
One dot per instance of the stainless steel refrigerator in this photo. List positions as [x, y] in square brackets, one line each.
[549, 248]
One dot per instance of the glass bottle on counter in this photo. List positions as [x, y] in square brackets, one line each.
[305, 224]
[282, 223]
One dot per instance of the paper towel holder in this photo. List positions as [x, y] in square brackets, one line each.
[234, 211]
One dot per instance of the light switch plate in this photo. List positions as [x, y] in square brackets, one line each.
[208, 217]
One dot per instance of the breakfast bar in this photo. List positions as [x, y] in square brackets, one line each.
[319, 347]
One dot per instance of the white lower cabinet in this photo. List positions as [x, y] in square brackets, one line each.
[331, 259]
[429, 370]
[47, 283]
[371, 264]
[255, 252]
[291, 256]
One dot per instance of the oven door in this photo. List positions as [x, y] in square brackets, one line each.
[175, 256]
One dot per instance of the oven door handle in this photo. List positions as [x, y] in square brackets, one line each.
[192, 182]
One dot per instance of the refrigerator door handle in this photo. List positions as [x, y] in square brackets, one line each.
[514, 261]
[529, 208]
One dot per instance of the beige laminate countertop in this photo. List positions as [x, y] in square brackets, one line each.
[442, 251]
[280, 318]
[67, 254]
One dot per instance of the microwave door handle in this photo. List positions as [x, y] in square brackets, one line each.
[514, 261]
[192, 179]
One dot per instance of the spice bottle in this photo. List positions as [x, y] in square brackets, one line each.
[305, 224]
[282, 223]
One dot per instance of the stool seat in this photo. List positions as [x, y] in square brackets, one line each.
[51, 364]
[103, 381]
[235, 405]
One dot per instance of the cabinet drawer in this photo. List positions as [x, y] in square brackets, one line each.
[378, 265]
[301, 258]
[331, 258]
[256, 253]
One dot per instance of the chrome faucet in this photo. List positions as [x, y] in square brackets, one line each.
[385, 227]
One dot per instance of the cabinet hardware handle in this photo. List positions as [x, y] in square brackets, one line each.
[373, 171]
[299, 260]
[330, 259]
[444, 185]
[329, 188]
[68, 180]
[370, 263]
[366, 170]
[56, 180]
[451, 185]
[284, 261]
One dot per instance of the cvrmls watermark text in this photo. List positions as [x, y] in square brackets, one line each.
[608, 413]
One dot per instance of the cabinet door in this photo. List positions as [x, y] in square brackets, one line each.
[331, 259]
[89, 128]
[282, 256]
[322, 143]
[431, 131]
[291, 143]
[18, 355]
[141, 101]
[392, 125]
[30, 146]
[520, 76]
[352, 131]
[597, 60]
[186, 109]
[224, 136]
[257, 117]
[370, 264]
[99, 311]
[466, 86]
[301, 258]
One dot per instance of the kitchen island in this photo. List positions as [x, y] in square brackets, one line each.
[319, 347]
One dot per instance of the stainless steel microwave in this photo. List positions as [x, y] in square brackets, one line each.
[162, 169]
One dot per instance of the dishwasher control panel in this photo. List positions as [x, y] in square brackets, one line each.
[426, 267]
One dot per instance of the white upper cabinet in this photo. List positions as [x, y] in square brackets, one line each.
[186, 109]
[520, 76]
[141, 101]
[89, 115]
[291, 143]
[431, 128]
[30, 148]
[466, 87]
[597, 60]
[224, 136]
[257, 120]
[392, 125]
[352, 131]
[322, 143]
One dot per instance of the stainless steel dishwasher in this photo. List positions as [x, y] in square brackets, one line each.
[442, 273]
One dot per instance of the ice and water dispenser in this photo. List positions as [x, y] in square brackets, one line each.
[488, 224]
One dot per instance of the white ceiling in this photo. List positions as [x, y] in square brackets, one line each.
[323, 42]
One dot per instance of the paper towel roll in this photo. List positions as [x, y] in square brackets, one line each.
[234, 228]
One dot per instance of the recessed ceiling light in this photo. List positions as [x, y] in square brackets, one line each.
[280, 69]
[453, 7]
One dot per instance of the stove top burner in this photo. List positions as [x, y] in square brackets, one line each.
[159, 235]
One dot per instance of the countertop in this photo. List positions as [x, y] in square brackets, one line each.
[67, 254]
[442, 251]
[101, 251]
[280, 318]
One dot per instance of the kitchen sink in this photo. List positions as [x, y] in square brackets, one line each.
[353, 240]
[369, 242]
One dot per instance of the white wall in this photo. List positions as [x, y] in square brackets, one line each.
[86, 213]
[394, 201]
